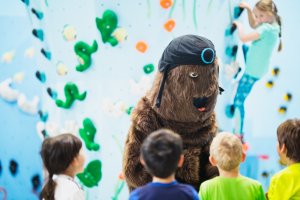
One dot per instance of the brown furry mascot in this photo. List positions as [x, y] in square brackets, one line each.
[182, 99]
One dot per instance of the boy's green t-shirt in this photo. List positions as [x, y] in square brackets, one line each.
[231, 189]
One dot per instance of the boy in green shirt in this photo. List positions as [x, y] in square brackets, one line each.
[226, 153]
[286, 183]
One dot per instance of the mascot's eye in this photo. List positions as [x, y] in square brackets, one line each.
[193, 75]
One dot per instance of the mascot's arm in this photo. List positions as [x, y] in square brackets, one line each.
[144, 122]
[134, 172]
[189, 172]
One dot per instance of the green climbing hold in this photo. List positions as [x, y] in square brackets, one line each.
[87, 133]
[71, 93]
[129, 110]
[92, 174]
[148, 68]
[84, 51]
[107, 25]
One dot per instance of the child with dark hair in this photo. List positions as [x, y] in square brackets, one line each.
[63, 158]
[161, 154]
[286, 183]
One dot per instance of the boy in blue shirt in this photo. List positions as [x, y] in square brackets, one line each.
[161, 154]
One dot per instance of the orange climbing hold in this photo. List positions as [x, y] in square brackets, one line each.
[169, 25]
[141, 46]
[121, 176]
[166, 3]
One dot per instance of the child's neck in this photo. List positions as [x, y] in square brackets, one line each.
[229, 174]
[164, 180]
[290, 162]
[70, 173]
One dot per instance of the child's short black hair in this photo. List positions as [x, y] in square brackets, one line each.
[161, 152]
[288, 133]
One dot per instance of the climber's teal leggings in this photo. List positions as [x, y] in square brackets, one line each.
[244, 88]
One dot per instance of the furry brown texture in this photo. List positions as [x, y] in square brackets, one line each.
[177, 113]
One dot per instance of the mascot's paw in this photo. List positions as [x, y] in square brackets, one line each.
[229, 110]
[92, 174]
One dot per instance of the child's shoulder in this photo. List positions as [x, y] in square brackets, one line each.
[250, 181]
[288, 172]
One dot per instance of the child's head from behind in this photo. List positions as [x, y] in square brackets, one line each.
[59, 152]
[161, 153]
[226, 151]
[288, 135]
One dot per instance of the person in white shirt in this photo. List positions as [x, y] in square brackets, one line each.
[63, 158]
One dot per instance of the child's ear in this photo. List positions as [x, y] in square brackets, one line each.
[243, 156]
[212, 161]
[181, 160]
[142, 161]
[282, 149]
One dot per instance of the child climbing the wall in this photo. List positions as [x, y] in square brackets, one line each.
[63, 158]
[286, 183]
[161, 154]
[226, 153]
[266, 22]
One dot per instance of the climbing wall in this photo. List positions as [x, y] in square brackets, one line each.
[81, 66]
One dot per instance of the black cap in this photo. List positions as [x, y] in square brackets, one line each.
[185, 50]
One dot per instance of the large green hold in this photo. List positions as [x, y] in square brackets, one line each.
[71, 93]
[92, 174]
[87, 133]
[107, 25]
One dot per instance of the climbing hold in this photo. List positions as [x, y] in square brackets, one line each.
[166, 3]
[92, 174]
[287, 96]
[265, 174]
[52, 93]
[107, 25]
[282, 109]
[141, 46]
[275, 71]
[148, 68]
[41, 76]
[237, 12]
[38, 34]
[169, 25]
[36, 182]
[43, 115]
[47, 54]
[120, 34]
[269, 84]
[13, 167]
[87, 133]
[69, 33]
[38, 14]
[26, 2]
[84, 51]
[61, 68]
[71, 93]
[129, 110]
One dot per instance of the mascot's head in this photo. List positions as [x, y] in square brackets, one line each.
[186, 87]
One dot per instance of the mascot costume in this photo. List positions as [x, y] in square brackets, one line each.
[182, 99]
